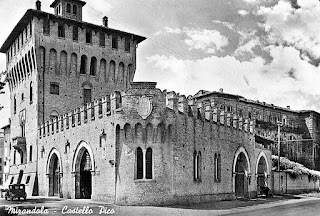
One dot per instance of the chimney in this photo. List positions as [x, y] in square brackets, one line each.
[105, 21]
[221, 90]
[38, 5]
[288, 107]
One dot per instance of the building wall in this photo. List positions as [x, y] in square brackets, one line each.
[1, 156]
[294, 185]
[59, 61]
[297, 128]
[173, 137]
[6, 155]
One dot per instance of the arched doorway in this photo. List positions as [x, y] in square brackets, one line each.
[83, 178]
[262, 172]
[54, 176]
[241, 171]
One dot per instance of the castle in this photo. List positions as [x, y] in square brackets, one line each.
[81, 128]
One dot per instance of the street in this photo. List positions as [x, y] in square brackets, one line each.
[287, 205]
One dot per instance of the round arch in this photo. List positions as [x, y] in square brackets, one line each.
[83, 145]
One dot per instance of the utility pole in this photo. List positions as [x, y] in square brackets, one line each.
[279, 125]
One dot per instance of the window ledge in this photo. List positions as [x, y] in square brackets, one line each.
[145, 181]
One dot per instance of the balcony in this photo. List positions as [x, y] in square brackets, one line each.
[19, 143]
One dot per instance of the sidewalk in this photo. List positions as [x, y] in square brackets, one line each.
[215, 208]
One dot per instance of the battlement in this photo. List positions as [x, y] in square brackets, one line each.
[207, 112]
[102, 108]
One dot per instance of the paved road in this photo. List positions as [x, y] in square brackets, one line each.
[272, 206]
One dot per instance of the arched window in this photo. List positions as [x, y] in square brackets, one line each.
[54, 115]
[61, 31]
[27, 67]
[30, 153]
[14, 104]
[217, 167]
[139, 163]
[75, 9]
[88, 36]
[93, 66]
[83, 65]
[86, 93]
[199, 159]
[14, 160]
[118, 100]
[149, 163]
[30, 61]
[197, 165]
[112, 71]
[68, 8]
[120, 77]
[31, 93]
[103, 72]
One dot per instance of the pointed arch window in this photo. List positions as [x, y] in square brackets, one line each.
[93, 66]
[197, 165]
[83, 64]
[75, 10]
[144, 163]
[139, 163]
[217, 167]
[31, 93]
[68, 8]
[149, 163]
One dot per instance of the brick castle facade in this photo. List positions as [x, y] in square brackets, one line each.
[81, 128]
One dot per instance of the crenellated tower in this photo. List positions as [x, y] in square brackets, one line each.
[56, 63]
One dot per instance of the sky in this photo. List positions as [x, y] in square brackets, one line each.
[266, 50]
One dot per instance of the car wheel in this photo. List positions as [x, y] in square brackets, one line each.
[5, 197]
[18, 198]
[25, 198]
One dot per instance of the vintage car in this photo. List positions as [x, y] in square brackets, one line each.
[16, 191]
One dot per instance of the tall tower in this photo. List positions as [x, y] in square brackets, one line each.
[71, 9]
[56, 63]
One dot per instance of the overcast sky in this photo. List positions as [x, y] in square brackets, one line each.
[266, 50]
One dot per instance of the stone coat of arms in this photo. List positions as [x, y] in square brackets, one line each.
[144, 107]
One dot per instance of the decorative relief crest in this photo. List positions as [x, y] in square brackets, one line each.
[144, 107]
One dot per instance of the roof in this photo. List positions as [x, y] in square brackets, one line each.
[27, 17]
[216, 93]
[248, 101]
[6, 126]
[82, 3]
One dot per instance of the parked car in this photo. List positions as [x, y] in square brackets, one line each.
[16, 191]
